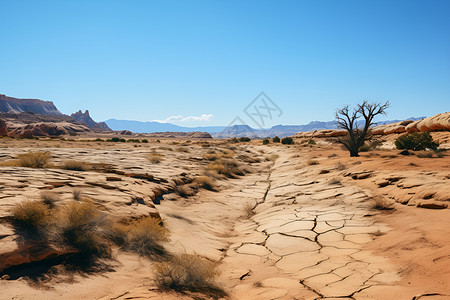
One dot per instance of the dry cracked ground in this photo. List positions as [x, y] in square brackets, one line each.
[300, 225]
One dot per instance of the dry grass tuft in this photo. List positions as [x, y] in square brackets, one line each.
[182, 149]
[76, 194]
[340, 166]
[31, 216]
[155, 158]
[312, 162]
[81, 226]
[205, 182]
[226, 167]
[49, 198]
[143, 236]
[189, 273]
[76, 165]
[248, 210]
[184, 190]
[34, 159]
[272, 157]
[381, 203]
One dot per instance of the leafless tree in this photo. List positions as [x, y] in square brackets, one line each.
[348, 120]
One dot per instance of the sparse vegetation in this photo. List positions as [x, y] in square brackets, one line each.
[189, 273]
[34, 159]
[416, 141]
[143, 236]
[381, 203]
[81, 225]
[205, 182]
[184, 190]
[244, 139]
[335, 180]
[272, 157]
[225, 166]
[49, 198]
[76, 194]
[311, 142]
[76, 165]
[31, 216]
[265, 141]
[276, 139]
[155, 158]
[287, 141]
[248, 210]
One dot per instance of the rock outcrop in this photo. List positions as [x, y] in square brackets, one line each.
[15, 105]
[85, 118]
[47, 129]
[321, 133]
[3, 129]
[191, 135]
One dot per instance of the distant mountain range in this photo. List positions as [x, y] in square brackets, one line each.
[224, 131]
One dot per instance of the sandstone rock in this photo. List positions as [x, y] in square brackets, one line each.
[432, 205]
[3, 129]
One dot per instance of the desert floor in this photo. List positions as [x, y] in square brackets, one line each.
[304, 222]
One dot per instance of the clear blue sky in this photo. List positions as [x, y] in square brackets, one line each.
[150, 60]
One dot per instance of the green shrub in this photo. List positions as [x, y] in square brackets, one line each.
[416, 141]
[311, 142]
[115, 139]
[145, 141]
[244, 139]
[276, 139]
[287, 141]
[266, 141]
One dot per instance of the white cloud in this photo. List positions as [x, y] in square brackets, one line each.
[180, 118]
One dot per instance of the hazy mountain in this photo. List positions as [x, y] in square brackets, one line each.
[235, 130]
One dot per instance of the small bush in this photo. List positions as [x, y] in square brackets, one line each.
[226, 167]
[99, 140]
[244, 139]
[187, 272]
[115, 139]
[182, 149]
[31, 215]
[184, 190]
[75, 165]
[76, 194]
[35, 159]
[155, 158]
[248, 210]
[80, 225]
[381, 203]
[287, 141]
[143, 236]
[145, 141]
[312, 162]
[416, 141]
[49, 198]
[311, 142]
[265, 141]
[205, 182]
[276, 139]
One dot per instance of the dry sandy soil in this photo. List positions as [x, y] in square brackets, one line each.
[301, 224]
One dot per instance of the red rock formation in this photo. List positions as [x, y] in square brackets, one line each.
[3, 129]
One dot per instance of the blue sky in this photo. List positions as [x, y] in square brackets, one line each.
[159, 60]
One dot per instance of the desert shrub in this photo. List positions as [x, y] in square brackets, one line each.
[155, 158]
[311, 142]
[133, 141]
[99, 140]
[287, 141]
[340, 166]
[205, 182]
[36, 159]
[143, 236]
[248, 210]
[81, 226]
[75, 165]
[425, 154]
[123, 140]
[182, 149]
[234, 140]
[244, 139]
[265, 141]
[184, 190]
[145, 141]
[312, 162]
[276, 139]
[381, 203]
[31, 215]
[49, 198]
[226, 167]
[187, 272]
[76, 194]
[416, 141]
[367, 146]
[115, 139]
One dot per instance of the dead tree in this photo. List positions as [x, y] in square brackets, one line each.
[348, 120]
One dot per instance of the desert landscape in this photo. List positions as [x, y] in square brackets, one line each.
[173, 218]
[235, 150]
